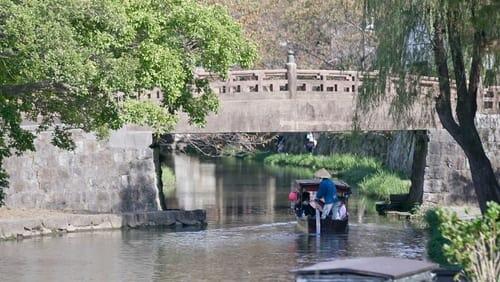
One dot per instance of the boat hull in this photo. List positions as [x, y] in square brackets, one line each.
[308, 225]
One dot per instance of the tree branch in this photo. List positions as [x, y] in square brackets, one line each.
[18, 90]
[443, 104]
[464, 113]
[476, 64]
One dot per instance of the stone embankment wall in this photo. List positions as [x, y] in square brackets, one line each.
[67, 223]
[116, 175]
[447, 178]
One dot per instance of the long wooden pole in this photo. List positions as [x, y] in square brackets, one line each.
[318, 223]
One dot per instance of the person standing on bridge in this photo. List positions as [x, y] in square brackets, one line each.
[328, 192]
[311, 143]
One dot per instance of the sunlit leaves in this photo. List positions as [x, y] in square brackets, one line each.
[147, 113]
[66, 61]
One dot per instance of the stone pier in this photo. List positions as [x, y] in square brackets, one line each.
[447, 178]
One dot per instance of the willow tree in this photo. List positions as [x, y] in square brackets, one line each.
[63, 63]
[457, 41]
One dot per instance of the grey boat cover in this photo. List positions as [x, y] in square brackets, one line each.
[384, 267]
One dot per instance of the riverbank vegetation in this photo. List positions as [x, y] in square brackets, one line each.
[472, 245]
[366, 173]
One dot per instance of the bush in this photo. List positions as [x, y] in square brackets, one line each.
[436, 240]
[471, 244]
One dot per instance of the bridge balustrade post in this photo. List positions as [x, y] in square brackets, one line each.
[291, 74]
[481, 91]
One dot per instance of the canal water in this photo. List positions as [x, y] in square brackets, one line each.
[250, 235]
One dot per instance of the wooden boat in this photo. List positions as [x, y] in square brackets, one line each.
[306, 215]
[370, 269]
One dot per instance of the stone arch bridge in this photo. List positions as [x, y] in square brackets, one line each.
[281, 100]
[291, 100]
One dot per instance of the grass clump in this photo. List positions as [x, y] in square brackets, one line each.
[168, 180]
[335, 162]
[368, 172]
[383, 183]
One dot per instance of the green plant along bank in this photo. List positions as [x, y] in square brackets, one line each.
[366, 173]
[470, 244]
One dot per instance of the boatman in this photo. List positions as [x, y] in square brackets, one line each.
[328, 192]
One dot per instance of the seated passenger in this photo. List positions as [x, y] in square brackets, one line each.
[308, 209]
[342, 214]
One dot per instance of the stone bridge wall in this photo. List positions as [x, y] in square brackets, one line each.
[447, 178]
[117, 175]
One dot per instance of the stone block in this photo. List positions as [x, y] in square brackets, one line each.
[193, 217]
[433, 198]
[162, 218]
[13, 228]
[55, 223]
[78, 220]
[134, 220]
[98, 219]
[103, 226]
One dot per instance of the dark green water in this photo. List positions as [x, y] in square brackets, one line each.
[251, 235]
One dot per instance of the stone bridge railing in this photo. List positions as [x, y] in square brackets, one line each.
[325, 81]
[292, 100]
[293, 81]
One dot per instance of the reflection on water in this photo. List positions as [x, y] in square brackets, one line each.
[251, 236]
[232, 191]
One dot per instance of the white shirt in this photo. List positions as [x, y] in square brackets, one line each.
[342, 212]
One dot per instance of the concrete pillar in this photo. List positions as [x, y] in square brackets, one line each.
[291, 73]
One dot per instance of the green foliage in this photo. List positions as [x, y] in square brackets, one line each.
[147, 113]
[473, 244]
[168, 180]
[365, 172]
[436, 240]
[383, 183]
[65, 61]
[335, 162]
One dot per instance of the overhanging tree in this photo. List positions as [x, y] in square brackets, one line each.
[63, 62]
[457, 41]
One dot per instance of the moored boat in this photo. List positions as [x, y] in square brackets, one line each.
[305, 208]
